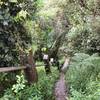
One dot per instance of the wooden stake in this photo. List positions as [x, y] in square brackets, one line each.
[31, 72]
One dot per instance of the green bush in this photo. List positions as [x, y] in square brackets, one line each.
[84, 77]
[42, 90]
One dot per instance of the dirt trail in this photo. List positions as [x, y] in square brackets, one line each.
[61, 89]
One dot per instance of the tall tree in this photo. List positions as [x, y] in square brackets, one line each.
[13, 34]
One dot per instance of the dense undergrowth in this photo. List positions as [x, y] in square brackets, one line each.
[84, 77]
[42, 90]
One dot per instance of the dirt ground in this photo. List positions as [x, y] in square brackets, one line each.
[61, 88]
[60, 91]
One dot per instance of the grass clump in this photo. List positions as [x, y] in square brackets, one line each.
[84, 77]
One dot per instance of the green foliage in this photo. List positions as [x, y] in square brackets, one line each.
[13, 33]
[16, 89]
[92, 92]
[20, 85]
[83, 77]
[46, 26]
[85, 20]
[42, 90]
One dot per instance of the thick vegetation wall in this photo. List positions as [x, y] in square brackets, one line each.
[13, 33]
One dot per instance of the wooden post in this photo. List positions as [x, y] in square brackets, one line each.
[30, 71]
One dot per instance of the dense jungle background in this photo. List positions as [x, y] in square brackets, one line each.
[60, 28]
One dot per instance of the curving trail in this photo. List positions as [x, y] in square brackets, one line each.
[61, 90]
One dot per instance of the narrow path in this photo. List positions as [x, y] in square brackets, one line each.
[61, 90]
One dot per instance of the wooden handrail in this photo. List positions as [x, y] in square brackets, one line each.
[8, 69]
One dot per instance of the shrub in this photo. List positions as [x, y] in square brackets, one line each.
[42, 90]
[84, 77]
